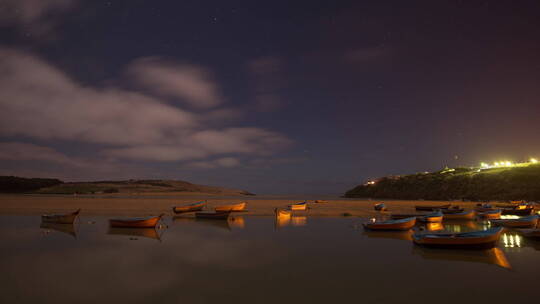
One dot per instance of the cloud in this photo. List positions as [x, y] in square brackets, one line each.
[39, 101]
[190, 83]
[16, 151]
[35, 16]
[225, 162]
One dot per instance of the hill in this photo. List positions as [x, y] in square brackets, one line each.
[475, 184]
[12, 184]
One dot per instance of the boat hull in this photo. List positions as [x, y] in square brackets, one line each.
[298, 207]
[529, 222]
[526, 211]
[459, 240]
[135, 223]
[60, 218]
[231, 208]
[189, 208]
[391, 225]
[460, 216]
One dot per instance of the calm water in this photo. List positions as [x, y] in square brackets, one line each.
[255, 260]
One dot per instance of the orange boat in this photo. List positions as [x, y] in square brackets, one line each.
[435, 217]
[490, 214]
[61, 218]
[401, 224]
[298, 206]
[231, 208]
[475, 239]
[198, 206]
[137, 222]
[523, 222]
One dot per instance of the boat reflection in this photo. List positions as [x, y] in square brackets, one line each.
[237, 222]
[64, 228]
[434, 226]
[150, 233]
[512, 240]
[295, 220]
[397, 235]
[493, 256]
[461, 226]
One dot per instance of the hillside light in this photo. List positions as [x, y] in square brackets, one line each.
[534, 160]
[484, 165]
[496, 164]
[508, 163]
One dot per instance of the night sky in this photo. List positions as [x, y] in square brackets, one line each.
[269, 96]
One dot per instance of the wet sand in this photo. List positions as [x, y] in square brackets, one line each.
[138, 205]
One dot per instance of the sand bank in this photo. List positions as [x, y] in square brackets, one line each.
[142, 205]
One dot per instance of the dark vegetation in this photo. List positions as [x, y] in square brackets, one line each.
[514, 183]
[13, 184]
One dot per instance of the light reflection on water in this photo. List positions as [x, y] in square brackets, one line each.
[247, 260]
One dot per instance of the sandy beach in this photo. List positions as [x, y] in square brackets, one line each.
[137, 205]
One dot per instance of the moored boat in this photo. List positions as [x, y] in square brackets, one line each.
[435, 217]
[474, 239]
[231, 208]
[380, 207]
[137, 222]
[523, 222]
[68, 218]
[490, 214]
[528, 210]
[464, 215]
[298, 206]
[452, 210]
[198, 206]
[401, 224]
[431, 208]
[221, 215]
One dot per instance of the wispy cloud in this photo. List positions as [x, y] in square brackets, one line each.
[190, 84]
[39, 101]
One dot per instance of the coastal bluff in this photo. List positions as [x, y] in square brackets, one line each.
[472, 184]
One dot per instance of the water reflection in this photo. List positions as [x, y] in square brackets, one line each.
[295, 220]
[434, 226]
[64, 228]
[493, 256]
[397, 235]
[512, 240]
[236, 222]
[133, 233]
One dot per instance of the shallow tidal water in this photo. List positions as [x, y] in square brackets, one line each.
[254, 260]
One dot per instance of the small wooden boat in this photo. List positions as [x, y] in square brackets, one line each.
[137, 222]
[321, 202]
[522, 211]
[431, 208]
[221, 215]
[530, 233]
[401, 224]
[464, 215]
[380, 207]
[484, 208]
[298, 206]
[524, 222]
[435, 217]
[198, 206]
[61, 218]
[281, 213]
[475, 239]
[231, 208]
[490, 214]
